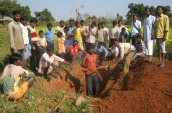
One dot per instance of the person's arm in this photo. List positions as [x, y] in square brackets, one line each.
[166, 28]
[106, 52]
[121, 53]
[45, 33]
[139, 28]
[73, 33]
[11, 37]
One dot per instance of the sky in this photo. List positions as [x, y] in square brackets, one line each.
[61, 9]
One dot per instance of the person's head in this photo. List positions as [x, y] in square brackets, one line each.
[33, 22]
[59, 34]
[75, 43]
[99, 26]
[15, 59]
[90, 49]
[50, 51]
[71, 22]
[16, 15]
[66, 29]
[134, 17]
[123, 30]
[24, 20]
[139, 40]
[41, 33]
[100, 44]
[61, 23]
[103, 24]
[93, 24]
[159, 10]
[147, 11]
[114, 23]
[77, 24]
[116, 42]
[82, 22]
[119, 23]
[49, 26]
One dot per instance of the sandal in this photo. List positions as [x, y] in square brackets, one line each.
[157, 63]
[162, 66]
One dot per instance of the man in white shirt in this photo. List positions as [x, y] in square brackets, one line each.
[127, 52]
[90, 34]
[148, 33]
[113, 33]
[105, 33]
[135, 29]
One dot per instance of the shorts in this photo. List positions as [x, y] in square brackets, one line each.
[160, 44]
[27, 54]
[50, 69]
[21, 91]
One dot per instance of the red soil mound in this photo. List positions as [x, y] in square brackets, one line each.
[148, 88]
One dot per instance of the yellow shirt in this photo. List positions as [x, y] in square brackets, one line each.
[61, 47]
[161, 25]
[78, 34]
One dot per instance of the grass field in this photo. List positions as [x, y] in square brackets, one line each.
[30, 103]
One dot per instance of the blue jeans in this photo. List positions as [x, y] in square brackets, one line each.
[68, 43]
[137, 55]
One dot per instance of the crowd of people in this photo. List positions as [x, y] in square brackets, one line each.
[78, 41]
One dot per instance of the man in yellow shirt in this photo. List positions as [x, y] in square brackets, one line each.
[78, 35]
[161, 35]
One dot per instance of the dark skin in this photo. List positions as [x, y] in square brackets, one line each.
[134, 19]
[162, 55]
[53, 65]
[30, 81]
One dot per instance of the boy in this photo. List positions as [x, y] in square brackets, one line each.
[101, 51]
[15, 34]
[49, 62]
[49, 34]
[90, 63]
[61, 29]
[74, 52]
[78, 35]
[105, 33]
[42, 42]
[11, 77]
[27, 40]
[36, 54]
[61, 47]
[140, 47]
[113, 53]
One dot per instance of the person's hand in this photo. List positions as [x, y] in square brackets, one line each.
[165, 37]
[91, 69]
[15, 51]
[24, 50]
[34, 48]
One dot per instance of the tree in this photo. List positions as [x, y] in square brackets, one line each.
[76, 10]
[44, 16]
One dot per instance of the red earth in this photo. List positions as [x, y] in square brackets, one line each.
[147, 88]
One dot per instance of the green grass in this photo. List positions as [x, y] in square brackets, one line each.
[29, 103]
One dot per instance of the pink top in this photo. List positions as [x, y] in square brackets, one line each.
[16, 71]
[50, 59]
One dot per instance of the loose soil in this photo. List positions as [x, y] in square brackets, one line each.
[147, 88]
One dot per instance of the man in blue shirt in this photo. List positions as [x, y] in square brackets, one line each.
[101, 51]
[49, 34]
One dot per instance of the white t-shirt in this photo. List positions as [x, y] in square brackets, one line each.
[148, 28]
[134, 31]
[92, 38]
[24, 34]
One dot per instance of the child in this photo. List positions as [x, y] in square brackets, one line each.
[89, 63]
[113, 53]
[11, 77]
[49, 62]
[78, 35]
[61, 29]
[73, 52]
[42, 42]
[61, 47]
[27, 40]
[36, 54]
[101, 51]
[49, 34]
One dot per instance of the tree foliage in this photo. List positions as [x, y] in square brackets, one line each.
[44, 16]
[7, 6]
